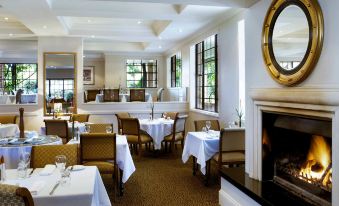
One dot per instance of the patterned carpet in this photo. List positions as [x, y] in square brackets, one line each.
[162, 179]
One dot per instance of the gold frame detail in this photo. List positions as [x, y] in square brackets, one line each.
[75, 80]
[314, 14]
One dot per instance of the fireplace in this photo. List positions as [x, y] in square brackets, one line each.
[297, 155]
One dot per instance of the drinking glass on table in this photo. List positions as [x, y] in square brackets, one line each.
[88, 128]
[109, 129]
[24, 162]
[208, 126]
[60, 162]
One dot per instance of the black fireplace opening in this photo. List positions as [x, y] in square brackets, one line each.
[297, 155]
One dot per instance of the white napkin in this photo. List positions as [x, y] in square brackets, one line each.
[36, 187]
[31, 134]
[48, 170]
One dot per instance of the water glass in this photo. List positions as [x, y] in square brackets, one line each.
[22, 170]
[88, 128]
[60, 162]
[65, 177]
[208, 125]
[204, 129]
[109, 129]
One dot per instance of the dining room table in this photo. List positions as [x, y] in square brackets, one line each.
[202, 146]
[11, 148]
[85, 187]
[158, 129]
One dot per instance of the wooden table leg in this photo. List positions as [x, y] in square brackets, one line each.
[194, 165]
[121, 185]
[208, 172]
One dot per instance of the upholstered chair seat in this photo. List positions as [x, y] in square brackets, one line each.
[143, 138]
[15, 196]
[45, 154]
[103, 167]
[230, 157]
[177, 137]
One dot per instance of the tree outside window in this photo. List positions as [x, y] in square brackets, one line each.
[176, 70]
[141, 73]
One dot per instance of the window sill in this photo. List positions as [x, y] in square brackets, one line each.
[212, 114]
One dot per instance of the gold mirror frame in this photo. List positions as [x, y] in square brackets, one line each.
[316, 31]
[75, 81]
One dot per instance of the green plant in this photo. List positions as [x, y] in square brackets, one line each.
[240, 114]
[69, 97]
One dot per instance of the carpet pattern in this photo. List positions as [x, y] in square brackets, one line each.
[163, 179]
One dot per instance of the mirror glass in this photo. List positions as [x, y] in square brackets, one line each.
[60, 81]
[290, 37]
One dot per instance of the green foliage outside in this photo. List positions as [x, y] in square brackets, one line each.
[20, 76]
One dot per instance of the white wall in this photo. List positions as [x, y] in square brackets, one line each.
[324, 75]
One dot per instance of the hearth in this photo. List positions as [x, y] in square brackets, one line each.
[297, 155]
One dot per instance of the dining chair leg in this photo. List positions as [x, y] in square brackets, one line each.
[121, 185]
[182, 144]
[194, 165]
[139, 149]
[208, 172]
[165, 146]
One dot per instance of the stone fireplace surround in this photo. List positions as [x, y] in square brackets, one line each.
[303, 101]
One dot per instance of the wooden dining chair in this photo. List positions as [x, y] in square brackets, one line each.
[131, 128]
[79, 117]
[99, 149]
[91, 95]
[45, 154]
[120, 115]
[15, 195]
[172, 115]
[8, 119]
[57, 127]
[137, 95]
[178, 133]
[111, 95]
[199, 124]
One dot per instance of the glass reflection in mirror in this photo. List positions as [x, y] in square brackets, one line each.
[60, 81]
[290, 37]
[18, 83]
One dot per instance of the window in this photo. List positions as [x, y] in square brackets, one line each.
[142, 73]
[176, 70]
[289, 65]
[59, 88]
[206, 61]
[18, 76]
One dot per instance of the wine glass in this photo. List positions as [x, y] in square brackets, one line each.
[24, 161]
[60, 162]
[208, 125]
[109, 129]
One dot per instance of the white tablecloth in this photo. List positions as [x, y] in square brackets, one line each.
[81, 127]
[201, 145]
[25, 99]
[122, 97]
[4, 99]
[157, 129]
[8, 130]
[124, 158]
[86, 188]
[12, 153]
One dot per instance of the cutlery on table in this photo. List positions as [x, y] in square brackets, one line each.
[54, 188]
[30, 174]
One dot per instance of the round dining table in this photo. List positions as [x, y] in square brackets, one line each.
[11, 148]
[157, 129]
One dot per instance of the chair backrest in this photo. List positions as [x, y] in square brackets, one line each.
[97, 147]
[159, 94]
[92, 94]
[172, 115]
[232, 139]
[14, 195]
[180, 123]
[111, 95]
[199, 124]
[99, 128]
[56, 127]
[137, 95]
[120, 115]
[18, 96]
[45, 154]
[79, 117]
[8, 119]
[130, 126]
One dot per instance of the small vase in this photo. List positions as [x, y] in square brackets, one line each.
[239, 123]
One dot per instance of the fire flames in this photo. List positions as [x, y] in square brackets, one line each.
[318, 164]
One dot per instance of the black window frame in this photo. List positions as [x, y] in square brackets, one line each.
[176, 70]
[145, 82]
[15, 79]
[48, 93]
[200, 72]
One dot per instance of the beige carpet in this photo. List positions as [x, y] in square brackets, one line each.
[162, 179]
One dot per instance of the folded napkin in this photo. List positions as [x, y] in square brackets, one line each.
[31, 134]
[36, 187]
[48, 170]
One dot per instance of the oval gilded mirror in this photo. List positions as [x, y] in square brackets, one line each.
[292, 39]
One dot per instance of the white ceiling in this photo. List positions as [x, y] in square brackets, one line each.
[114, 25]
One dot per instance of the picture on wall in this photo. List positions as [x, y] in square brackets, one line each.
[88, 74]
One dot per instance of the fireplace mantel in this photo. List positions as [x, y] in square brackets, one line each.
[316, 96]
